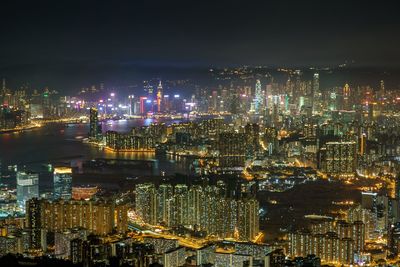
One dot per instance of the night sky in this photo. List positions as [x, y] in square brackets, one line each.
[64, 43]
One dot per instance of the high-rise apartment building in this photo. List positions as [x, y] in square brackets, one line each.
[98, 217]
[248, 218]
[339, 158]
[146, 203]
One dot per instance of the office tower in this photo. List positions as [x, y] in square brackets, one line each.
[146, 203]
[339, 158]
[347, 97]
[382, 90]
[131, 105]
[98, 217]
[94, 124]
[316, 94]
[248, 219]
[232, 149]
[160, 97]
[362, 144]
[143, 100]
[27, 187]
[258, 98]
[46, 104]
[62, 177]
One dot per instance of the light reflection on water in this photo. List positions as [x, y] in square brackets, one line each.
[55, 143]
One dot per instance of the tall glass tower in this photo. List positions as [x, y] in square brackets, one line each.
[258, 98]
[316, 97]
[27, 187]
[94, 124]
[62, 183]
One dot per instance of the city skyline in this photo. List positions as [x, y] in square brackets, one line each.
[199, 134]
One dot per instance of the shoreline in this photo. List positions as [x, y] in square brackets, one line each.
[22, 129]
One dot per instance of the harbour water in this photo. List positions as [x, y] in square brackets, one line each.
[58, 143]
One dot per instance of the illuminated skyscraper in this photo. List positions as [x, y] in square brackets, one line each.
[258, 98]
[346, 97]
[358, 235]
[98, 217]
[164, 194]
[339, 158]
[62, 178]
[382, 90]
[159, 97]
[232, 149]
[146, 202]
[195, 198]
[4, 89]
[34, 222]
[94, 124]
[181, 204]
[174, 257]
[363, 144]
[27, 187]
[248, 219]
[252, 132]
[316, 93]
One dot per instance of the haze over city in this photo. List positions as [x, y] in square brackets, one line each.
[67, 45]
[199, 133]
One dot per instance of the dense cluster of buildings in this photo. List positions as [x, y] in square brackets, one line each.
[354, 240]
[335, 242]
[19, 107]
[277, 134]
[335, 130]
[201, 208]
